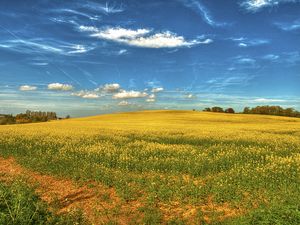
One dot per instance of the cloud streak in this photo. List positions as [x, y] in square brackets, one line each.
[247, 42]
[200, 9]
[106, 8]
[38, 46]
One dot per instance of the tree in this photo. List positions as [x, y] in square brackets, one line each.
[68, 117]
[217, 109]
[207, 110]
[246, 110]
[230, 110]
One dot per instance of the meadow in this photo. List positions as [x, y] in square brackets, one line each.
[168, 167]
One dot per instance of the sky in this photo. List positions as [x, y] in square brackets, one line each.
[91, 57]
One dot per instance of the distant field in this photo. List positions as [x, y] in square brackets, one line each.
[169, 167]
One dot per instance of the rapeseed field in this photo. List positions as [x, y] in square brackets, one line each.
[181, 167]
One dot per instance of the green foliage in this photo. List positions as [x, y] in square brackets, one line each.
[217, 109]
[19, 205]
[272, 110]
[28, 117]
[287, 214]
[229, 110]
[7, 119]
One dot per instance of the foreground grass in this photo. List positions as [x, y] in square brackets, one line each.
[185, 167]
[19, 205]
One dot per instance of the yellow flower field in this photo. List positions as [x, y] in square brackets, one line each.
[183, 167]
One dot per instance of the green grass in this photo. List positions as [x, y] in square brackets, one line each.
[19, 205]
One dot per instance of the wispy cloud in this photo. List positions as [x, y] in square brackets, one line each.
[151, 98]
[291, 57]
[257, 5]
[75, 12]
[267, 100]
[124, 103]
[220, 83]
[145, 38]
[286, 58]
[86, 94]
[107, 8]
[292, 26]
[246, 61]
[271, 57]
[60, 87]
[154, 83]
[157, 89]
[122, 52]
[39, 63]
[40, 46]
[79, 49]
[109, 88]
[190, 96]
[27, 88]
[199, 8]
[248, 42]
[90, 96]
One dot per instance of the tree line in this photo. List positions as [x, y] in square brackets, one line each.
[219, 109]
[272, 110]
[29, 117]
[264, 110]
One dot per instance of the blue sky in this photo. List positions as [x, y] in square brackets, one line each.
[90, 57]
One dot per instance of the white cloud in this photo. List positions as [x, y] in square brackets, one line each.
[111, 87]
[122, 52]
[91, 96]
[86, 94]
[152, 96]
[27, 88]
[150, 100]
[243, 45]
[60, 87]
[123, 94]
[163, 40]
[157, 89]
[123, 103]
[143, 37]
[115, 34]
[190, 96]
[256, 5]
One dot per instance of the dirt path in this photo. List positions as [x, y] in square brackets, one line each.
[97, 202]
[100, 204]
